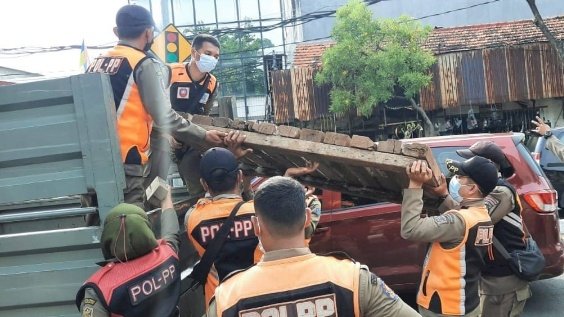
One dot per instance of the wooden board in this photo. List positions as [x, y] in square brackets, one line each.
[354, 165]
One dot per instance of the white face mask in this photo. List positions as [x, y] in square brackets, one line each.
[206, 63]
[453, 188]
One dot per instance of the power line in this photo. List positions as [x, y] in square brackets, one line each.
[18, 51]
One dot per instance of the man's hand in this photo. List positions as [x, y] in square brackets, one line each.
[215, 137]
[309, 191]
[299, 171]
[419, 173]
[442, 189]
[167, 202]
[542, 128]
[233, 142]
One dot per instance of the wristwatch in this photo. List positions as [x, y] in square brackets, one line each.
[547, 135]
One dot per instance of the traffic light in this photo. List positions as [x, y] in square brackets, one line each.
[171, 44]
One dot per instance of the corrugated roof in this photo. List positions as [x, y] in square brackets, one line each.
[455, 39]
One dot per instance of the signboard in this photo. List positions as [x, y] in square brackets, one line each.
[170, 46]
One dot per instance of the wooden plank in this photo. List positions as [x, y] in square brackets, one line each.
[289, 132]
[362, 142]
[389, 146]
[312, 135]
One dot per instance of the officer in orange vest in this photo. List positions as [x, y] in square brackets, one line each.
[502, 292]
[141, 275]
[141, 98]
[459, 238]
[192, 90]
[222, 178]
[290, 280]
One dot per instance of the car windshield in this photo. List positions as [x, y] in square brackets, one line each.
[443, 153]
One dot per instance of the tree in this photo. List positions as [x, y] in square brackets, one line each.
[240, 62]
[374, 61]
[539, 22]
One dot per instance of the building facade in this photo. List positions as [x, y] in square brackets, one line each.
[438, 13]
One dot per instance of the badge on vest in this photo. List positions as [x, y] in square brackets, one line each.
[205, 98]
[151, 285]
[484, 236]
[183, 93]
[324, 305]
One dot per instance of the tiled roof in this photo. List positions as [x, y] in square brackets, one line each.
[462, 38]
[309, 55]
[473, 37]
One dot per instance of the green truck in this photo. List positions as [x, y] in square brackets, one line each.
[59, 163]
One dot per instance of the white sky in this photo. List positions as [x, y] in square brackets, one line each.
[47, 23]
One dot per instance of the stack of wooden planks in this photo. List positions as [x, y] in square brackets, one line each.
[355, 165]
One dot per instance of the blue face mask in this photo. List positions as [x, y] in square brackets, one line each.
[453, 188]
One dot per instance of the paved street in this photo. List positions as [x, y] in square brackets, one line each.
[548, 296]
[547, 300]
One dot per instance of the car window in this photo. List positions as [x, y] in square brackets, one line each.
[441, 154]
[531, 141]
[526, 155]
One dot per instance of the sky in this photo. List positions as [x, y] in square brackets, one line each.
[26, 23]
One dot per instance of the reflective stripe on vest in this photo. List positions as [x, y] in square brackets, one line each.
[184, 92]
[449, 283]
[146, 286]
[133, 122]
[307, 285]
[239, 251]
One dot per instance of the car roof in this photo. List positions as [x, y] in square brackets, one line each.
[462, 139]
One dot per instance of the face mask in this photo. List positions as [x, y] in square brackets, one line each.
[453, 188]
[147, 46]
[206, 63]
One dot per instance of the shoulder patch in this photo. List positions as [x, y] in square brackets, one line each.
[491, 202]
[89, 301]
[386, 290]
[87, 311]
[444, 219]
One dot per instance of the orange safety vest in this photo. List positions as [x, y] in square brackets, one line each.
[146, 286]
[186, 95]
[306, 285]
[239, 251]
[134, 124]
[450, 277]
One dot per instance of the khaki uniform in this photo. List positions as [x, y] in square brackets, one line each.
[374, 297]
[499, 295]
[459, 241]
[314, 204]
[556, 147]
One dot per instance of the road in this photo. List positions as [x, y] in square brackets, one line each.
[548, 295]
[548, 298]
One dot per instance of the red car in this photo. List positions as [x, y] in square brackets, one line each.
[369, 231]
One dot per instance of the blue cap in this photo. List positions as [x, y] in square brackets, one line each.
[216, 164]
[134, 16]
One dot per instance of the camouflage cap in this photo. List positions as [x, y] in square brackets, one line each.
[127, 233]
